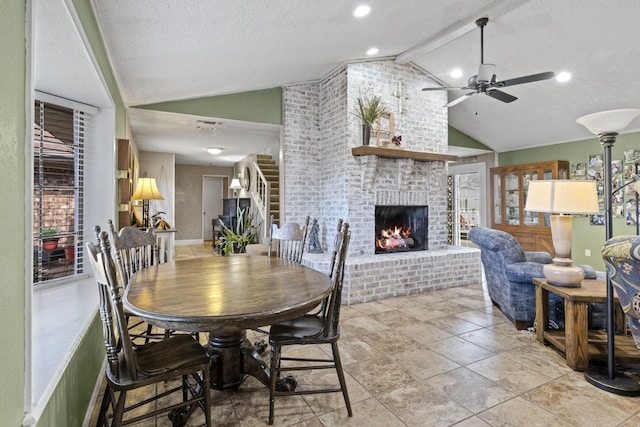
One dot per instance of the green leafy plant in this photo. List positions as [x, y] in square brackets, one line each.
[246, 232]
[370, 108]
[49, 232]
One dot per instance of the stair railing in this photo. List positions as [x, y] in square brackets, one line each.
[261, 197]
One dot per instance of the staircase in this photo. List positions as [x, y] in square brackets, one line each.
[270, 170]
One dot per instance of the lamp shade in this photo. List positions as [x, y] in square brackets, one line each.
[235, 184]
[147, 190]
[562, 196]
[612, 121]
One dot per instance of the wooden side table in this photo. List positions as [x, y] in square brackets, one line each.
[576, 341]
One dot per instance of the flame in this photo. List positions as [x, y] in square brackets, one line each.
[394, 237]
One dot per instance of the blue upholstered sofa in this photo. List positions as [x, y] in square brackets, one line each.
[509, 272]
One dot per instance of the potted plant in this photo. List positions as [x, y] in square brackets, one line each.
[246, 232]
[368, 110]
[49, 238]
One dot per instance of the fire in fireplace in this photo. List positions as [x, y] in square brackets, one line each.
[401, 228]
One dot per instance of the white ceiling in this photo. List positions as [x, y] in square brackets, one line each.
[165, 50]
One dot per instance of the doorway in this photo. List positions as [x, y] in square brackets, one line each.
[469, 200]
[212, 193]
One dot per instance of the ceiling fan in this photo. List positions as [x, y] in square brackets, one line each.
[485, 81]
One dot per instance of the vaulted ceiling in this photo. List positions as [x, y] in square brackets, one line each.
[164, 50]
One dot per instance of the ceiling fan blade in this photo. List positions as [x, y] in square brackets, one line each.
[443, 88]
[500, 95]
[526, 79]
[458, 100]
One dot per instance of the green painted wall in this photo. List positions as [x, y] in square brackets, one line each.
[262, 106]
[12, 176]
[585, 235]
[460, 139]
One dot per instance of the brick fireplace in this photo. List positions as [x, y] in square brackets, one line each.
[324, 179]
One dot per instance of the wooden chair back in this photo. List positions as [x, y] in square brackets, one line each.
[288, 241]
[116, 335]
[135, 249]
[331, 314]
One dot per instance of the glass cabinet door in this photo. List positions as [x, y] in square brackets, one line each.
[497, 199]
[531, 219]
[512, 199]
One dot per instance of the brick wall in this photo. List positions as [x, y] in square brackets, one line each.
[324, 180]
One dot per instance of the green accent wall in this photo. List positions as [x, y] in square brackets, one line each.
[585, 235]
[459, 139]
[12, 176]
[262, 106]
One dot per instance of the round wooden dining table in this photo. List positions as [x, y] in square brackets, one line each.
[225, 296]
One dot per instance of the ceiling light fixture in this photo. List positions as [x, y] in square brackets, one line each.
[563, 77]
[214, 150]
[362, 10]
[373, 51]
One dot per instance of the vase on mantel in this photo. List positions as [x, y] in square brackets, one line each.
[366, 133]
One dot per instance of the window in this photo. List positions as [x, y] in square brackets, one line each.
[58, 165]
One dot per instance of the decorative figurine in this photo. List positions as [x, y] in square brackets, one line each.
[314, 240]
[397, 140]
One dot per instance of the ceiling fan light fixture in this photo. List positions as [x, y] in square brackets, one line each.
[214, 150]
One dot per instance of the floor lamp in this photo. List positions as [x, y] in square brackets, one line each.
[606, 125]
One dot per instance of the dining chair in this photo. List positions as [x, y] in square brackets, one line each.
[288, 241]
[285, 242]
[310, 330]
[135, 249]
[131, 367]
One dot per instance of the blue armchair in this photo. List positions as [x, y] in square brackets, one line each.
[509, 272]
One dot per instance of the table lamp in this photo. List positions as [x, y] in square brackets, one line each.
[146, 190]
[562, 198]
[235, 186]
[606, 125]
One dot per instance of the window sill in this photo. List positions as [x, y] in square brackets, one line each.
[60, 317]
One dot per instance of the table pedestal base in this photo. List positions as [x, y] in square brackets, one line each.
[233, 357]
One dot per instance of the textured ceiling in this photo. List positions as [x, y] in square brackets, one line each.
[165, 50]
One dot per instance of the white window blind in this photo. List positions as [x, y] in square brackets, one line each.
[58, 156]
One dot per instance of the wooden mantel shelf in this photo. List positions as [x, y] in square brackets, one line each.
[392, 153]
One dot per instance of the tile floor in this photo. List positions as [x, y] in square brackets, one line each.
[435, 359]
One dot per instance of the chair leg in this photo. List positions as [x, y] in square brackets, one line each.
[118, 410]
[104, 406]
[206, 389]
[340, 372]
[275, 357]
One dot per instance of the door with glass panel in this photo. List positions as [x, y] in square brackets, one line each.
[469, 195]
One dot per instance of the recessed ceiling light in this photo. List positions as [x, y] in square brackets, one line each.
[456, 74]
[362, 10]
[214, 150]
[563, 76]
[373, 51]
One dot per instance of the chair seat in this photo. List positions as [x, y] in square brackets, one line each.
[168, 358]
[298, 331]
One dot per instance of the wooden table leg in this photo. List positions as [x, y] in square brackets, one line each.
[577, 334]
[542, 312]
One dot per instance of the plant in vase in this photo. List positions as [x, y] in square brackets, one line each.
[246, 232]
[50, 238]
[368, 110]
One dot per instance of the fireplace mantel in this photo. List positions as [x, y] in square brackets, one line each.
[392, 153]
[406, 158]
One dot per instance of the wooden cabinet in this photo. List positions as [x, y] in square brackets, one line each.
[509, 186]
[126, 163]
